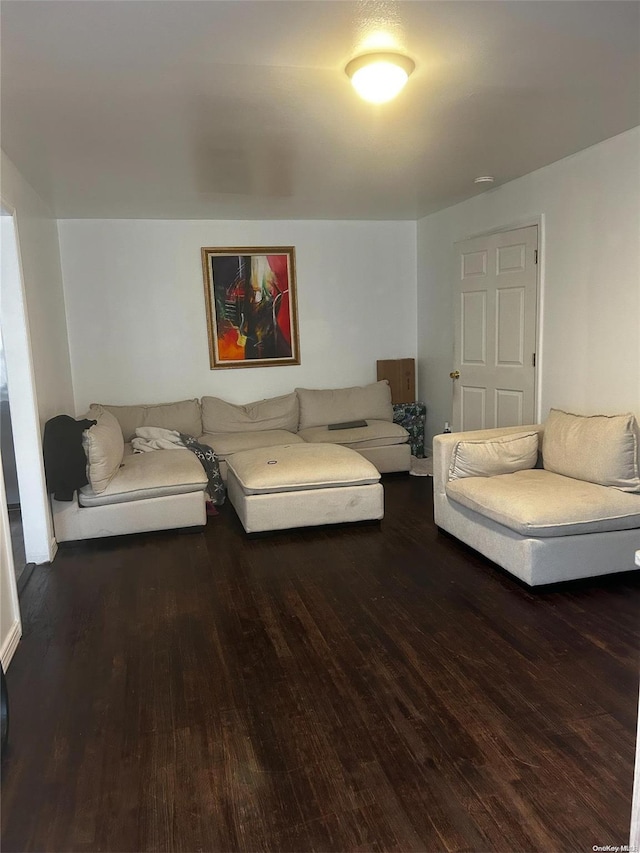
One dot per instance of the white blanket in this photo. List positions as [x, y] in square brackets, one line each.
[156, 438]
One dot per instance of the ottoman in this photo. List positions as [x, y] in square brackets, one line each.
[303, 485]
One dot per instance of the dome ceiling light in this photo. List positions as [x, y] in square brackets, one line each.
[379, 77]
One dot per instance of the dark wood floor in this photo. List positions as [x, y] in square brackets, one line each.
[339, 689]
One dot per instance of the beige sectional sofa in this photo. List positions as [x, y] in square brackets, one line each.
[549, 502]
[130, 493]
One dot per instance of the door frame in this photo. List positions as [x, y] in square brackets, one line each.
[514, 225]
[12, 623]
[39, 539]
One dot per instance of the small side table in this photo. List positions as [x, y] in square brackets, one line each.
[412, 417]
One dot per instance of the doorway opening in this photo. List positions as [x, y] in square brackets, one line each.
[10, 472]
[21, 435]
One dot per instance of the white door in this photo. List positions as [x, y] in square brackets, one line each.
[496, 286]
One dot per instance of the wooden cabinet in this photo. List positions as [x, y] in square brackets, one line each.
[401, 373]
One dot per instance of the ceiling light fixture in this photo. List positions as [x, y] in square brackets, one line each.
[379, 77]
[484, 179]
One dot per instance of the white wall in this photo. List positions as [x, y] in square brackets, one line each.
[135, 306]
[590, 315]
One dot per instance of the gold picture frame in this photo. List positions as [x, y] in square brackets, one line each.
[251, 305]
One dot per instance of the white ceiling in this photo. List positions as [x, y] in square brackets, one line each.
[240, 109]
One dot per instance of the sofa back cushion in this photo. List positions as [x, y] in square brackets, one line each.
[322, 407]
[274, 413]
[492, 456]
[104, 448]
[184, 416]
[129, 417]
[600, 449]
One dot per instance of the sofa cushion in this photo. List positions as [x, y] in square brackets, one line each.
[218, 416]
[226, 443]
[321, 407]
[598, 448]
[104, 448]
[490, 456]
[149, 475]
[300, 466]
[375, 434]
[129, 418]
[540, 503]
[184, 416]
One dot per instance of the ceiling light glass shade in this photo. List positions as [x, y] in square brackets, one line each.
[378, 77]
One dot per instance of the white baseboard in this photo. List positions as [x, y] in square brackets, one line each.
[41, 558]
[10, 644]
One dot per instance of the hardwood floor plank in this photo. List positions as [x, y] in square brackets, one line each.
[348, 688]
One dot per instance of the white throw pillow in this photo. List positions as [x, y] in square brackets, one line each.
[492, 456]
[600, 449]
[104, 448]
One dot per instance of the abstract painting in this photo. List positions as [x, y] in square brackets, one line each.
[250, 297]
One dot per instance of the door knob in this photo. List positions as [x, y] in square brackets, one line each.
[455, 374]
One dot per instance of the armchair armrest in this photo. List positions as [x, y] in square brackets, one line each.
[444, 445]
